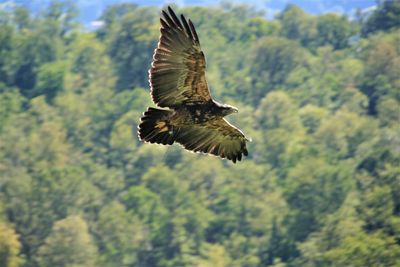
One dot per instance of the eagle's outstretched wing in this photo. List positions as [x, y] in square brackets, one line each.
[217, 137]
[177, 79]
[177, 73]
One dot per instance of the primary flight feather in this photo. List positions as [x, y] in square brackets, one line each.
[178, 82]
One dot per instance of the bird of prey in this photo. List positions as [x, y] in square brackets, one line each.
[178, 84]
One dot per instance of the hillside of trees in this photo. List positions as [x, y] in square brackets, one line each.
[318, 95]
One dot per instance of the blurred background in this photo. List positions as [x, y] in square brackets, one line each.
[317, 84]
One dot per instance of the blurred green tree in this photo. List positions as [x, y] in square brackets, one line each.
[273, 59]
[120, 234]
[385, 17]
[381, 74]
[334, 30]
[9, 246]
[68, 244]
[298, 25]
[131, 47]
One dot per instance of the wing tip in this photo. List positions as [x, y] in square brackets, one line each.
[172, 21]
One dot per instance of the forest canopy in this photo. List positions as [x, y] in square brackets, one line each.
[319, 95]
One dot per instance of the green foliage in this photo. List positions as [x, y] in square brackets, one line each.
[131, 46]
[311, 117]
[298, 25]
[112, 17]
[215, 256]
[386, 17]
[10, 103]
[120, 235]
[6, 53]
[9, 246]
[365, 250]
[315, 188]
[333, 30]
[388, 111]
[50, 80]
[319, 95]
[68, 244]
[273, 59]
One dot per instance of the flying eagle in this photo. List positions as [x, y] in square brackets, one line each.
[178, 82]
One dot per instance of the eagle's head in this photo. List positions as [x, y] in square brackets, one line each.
[228, 109]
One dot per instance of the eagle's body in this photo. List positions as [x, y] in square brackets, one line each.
[177, 81]
[202, 112]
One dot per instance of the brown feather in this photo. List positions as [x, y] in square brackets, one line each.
[217, 137]
[176, 20]
[178, 54]
[163, 23]
[194, 32]
[169, 20]
[187, 29]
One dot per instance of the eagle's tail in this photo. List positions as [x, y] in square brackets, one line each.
[154, 127]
